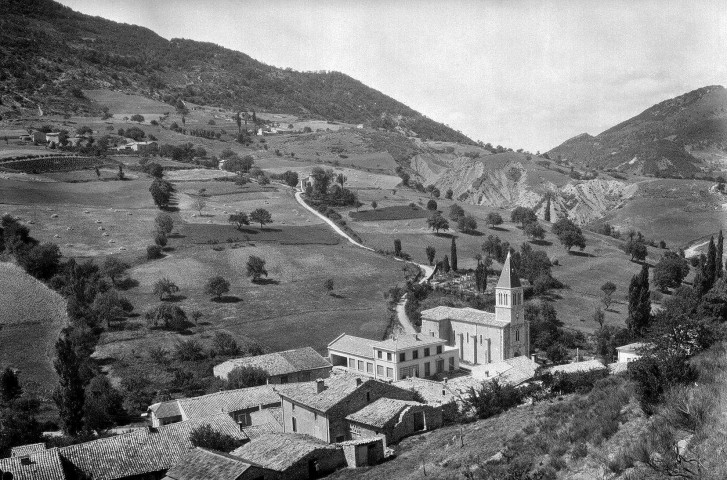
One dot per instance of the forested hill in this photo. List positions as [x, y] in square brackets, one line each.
[49, 52]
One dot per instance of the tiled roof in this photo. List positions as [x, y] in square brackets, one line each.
[256, 431]
[618, 367]
[633, 347]
[407, 341]
[202, 464]
[225, 401]
[280, 451]
[336, 388]
[166, 409]
[358, 346]
[468, 314]
[280, 363]
[431, 391]
[267, 415]
[41, 465]
[27, 449]
[575, 367]
[380, 412]
[523, 369]
[508, 276]
[142, 451]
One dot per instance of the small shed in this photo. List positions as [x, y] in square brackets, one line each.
[363, 452]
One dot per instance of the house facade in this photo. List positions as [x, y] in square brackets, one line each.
[393, 419]
[630, 352]
[410, 355]
[484, 337]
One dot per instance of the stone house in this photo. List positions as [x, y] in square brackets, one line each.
[363, 452]
[290, 366]
[409, 355]
[485, 337]
[394, 419]
[203, 464]
[34, 462]
[320, 408]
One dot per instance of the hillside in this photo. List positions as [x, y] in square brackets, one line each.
[678, 137]
[49, 53]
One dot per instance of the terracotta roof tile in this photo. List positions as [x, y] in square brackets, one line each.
[586, 366]
[27, 449]
[358, 346]
[380, 412]
[407, 341]
[280, 451]
[202, 464]
[215, 403]
[336, 388]
[468, 314]
[278, 363]
[40, 465]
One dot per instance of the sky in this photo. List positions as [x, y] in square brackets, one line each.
[522, 74]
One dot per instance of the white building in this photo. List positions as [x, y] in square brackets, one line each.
[630, 352]
[484, 337]
[410, 355]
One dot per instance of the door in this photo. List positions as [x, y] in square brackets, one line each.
[474, 349]
[312, 468]
[440, 366]
[418, 421]
[372, 457]
[461, 346]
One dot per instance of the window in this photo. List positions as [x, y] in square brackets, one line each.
[361, 365]
[390, 372]
[427, 369]
[340, 438]
[468, 338]
[380, 370]
[451, 363]
[402, 357]
[480, 339]
[379, 353]
[284, 379]
[432, 333]
[244, 419]
[351, 363]
[315, 416]
[388, 356]
[368, 397]
[439, 349]
[295, 424]
[426, 352]
[415, 354]
[369, 367]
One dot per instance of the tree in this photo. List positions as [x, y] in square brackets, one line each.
[224, 344]
[453, 255]
[639, 316]
[290, 178]
[607, 288]
[445, 264]
[161, 192]
[236, 164]
[240, 219]
[160, 239]
[431, 205]
[164, 286]
[328, 285]
[493, 219]
[670, 271]
[341, 179]
[168, 316]
[154, 169]
[164, 223]
[637, 250]
[598, 316]
[430, 251]
[256, 268]
[449, 194]
[523, 216]
[69, 396]
[374, 204]
[535, 231]
[481, 274]
[102, 404]
[467, 224]
[261, 216]
[10, 388]
[113, 268]
[437, 222]
[719, 265]
[205, 436]
[709, 268]
[137, 118]
[217, 286]
[546, 213]
[569, 234]
[153, 252]
[199, 203]
[557, 353]
[397, 247]
[455, 212]
[107, 307]
[41, 261]
[245, 376]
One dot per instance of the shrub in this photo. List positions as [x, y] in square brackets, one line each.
[189, 350]
[153, 252]
[205, 436]
[244, 376]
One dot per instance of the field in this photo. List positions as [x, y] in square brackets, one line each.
[121, 104]
[390, 213]
[31, 317]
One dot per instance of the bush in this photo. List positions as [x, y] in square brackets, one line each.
[244, 377]
[153, 252]
[189, 350]
[205, 436]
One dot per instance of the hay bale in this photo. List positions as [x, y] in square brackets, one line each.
[55, 215]
[100, 229]
[56, 236]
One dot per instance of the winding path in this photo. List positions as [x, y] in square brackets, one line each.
[427, 271]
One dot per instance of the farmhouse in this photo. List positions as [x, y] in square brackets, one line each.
[484, 337]
[410, 355]
[141, 147]
[631, 352]
[238, 404]
[320, 408]
[300, 365]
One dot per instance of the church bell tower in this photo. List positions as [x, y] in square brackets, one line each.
[509, 308]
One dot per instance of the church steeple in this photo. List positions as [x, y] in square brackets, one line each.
[508, 277]
[510, 308]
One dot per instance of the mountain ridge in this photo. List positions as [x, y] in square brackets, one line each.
[51, 52]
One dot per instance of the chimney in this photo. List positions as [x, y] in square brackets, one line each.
[359, 382]
[445, 380]
[534, 358]
[320, 386]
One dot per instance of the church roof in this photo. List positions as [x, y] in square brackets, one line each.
[508, 277]
[467, 314]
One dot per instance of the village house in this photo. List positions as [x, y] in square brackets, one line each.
[408, 355]
[484, 337]
[31, 462]
[292, 456]
[290, 366]
[139, 147]
[631, 352]
[203, 464]
[394, 419]
[320, 408]
[143, 454]
[238, 404]
[53, 138]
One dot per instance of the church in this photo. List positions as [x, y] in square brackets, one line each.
[485, 337]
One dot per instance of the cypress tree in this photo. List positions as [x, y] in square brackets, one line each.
[397, 248]
[69, 396]
[710, 266]
[720, 250]
[453, 252]
[546, 215]
[10, 388]
[445, 264]
[634, 297]
[639, 303]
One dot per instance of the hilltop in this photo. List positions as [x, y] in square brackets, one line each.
[677, 137]
[51, 53]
